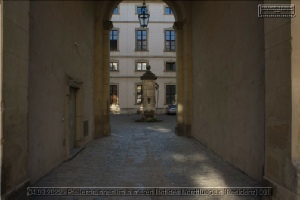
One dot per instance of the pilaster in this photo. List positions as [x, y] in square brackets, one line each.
[184, 78]
[101, 78]
[178, 26]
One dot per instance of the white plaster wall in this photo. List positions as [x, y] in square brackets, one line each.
[156, 35]
[127, 93]
[156, 10]
[127, 66]
[54, 28]
[126, 78]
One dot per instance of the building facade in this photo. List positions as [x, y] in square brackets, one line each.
[132, 48]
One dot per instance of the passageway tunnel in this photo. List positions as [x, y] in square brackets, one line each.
[237, 86]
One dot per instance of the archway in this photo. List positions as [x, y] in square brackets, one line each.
[15, 148]
[102, 59]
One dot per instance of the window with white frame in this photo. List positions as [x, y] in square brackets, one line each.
[170, 67]
[114, 36]
[168, 10]
[169, 40]
[141, 65]
[116, 11]
[141, 40]
[114, 66]
[138, 9]
[170, 94]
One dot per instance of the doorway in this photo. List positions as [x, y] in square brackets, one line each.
[74, 138]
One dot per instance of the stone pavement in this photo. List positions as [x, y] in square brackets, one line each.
[145, 155]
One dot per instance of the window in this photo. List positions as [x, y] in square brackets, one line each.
[113, 94]
[113, 40]
[141, 40]
[113, 90]
[170, 94]
[139, 9]
[141, 66]
[170, 40]
[168, 11]
[116, 10]
[139, 94]
[114, 66]
[170, 66]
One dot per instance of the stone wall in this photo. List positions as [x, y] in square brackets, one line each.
[282, 105]
[228, 87]
[61, 47]
[15, 54]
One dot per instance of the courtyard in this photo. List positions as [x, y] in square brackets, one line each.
[142, 155]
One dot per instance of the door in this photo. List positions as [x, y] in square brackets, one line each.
[72, 111]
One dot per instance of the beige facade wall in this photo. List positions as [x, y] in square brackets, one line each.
[61, 54]
[282, 106]
[1, 78]
[15, 54]
[126, 22]
[295, 33]
[228, 87]
[243, 102]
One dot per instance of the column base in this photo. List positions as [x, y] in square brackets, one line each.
[183, 130]
[103, 132]
[102, 128]
[278, 191]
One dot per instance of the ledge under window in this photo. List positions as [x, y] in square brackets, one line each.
[169, 50]
[169, 71]
[141, 50]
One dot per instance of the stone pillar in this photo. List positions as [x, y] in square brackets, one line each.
[178, 26]
[184, 78]
[149, 102]
[101, 79]
[282, 132]
[188, 75]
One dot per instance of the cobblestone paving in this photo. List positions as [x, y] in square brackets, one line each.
[145, 155]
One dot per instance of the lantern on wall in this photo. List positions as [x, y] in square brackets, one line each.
[144, 16]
